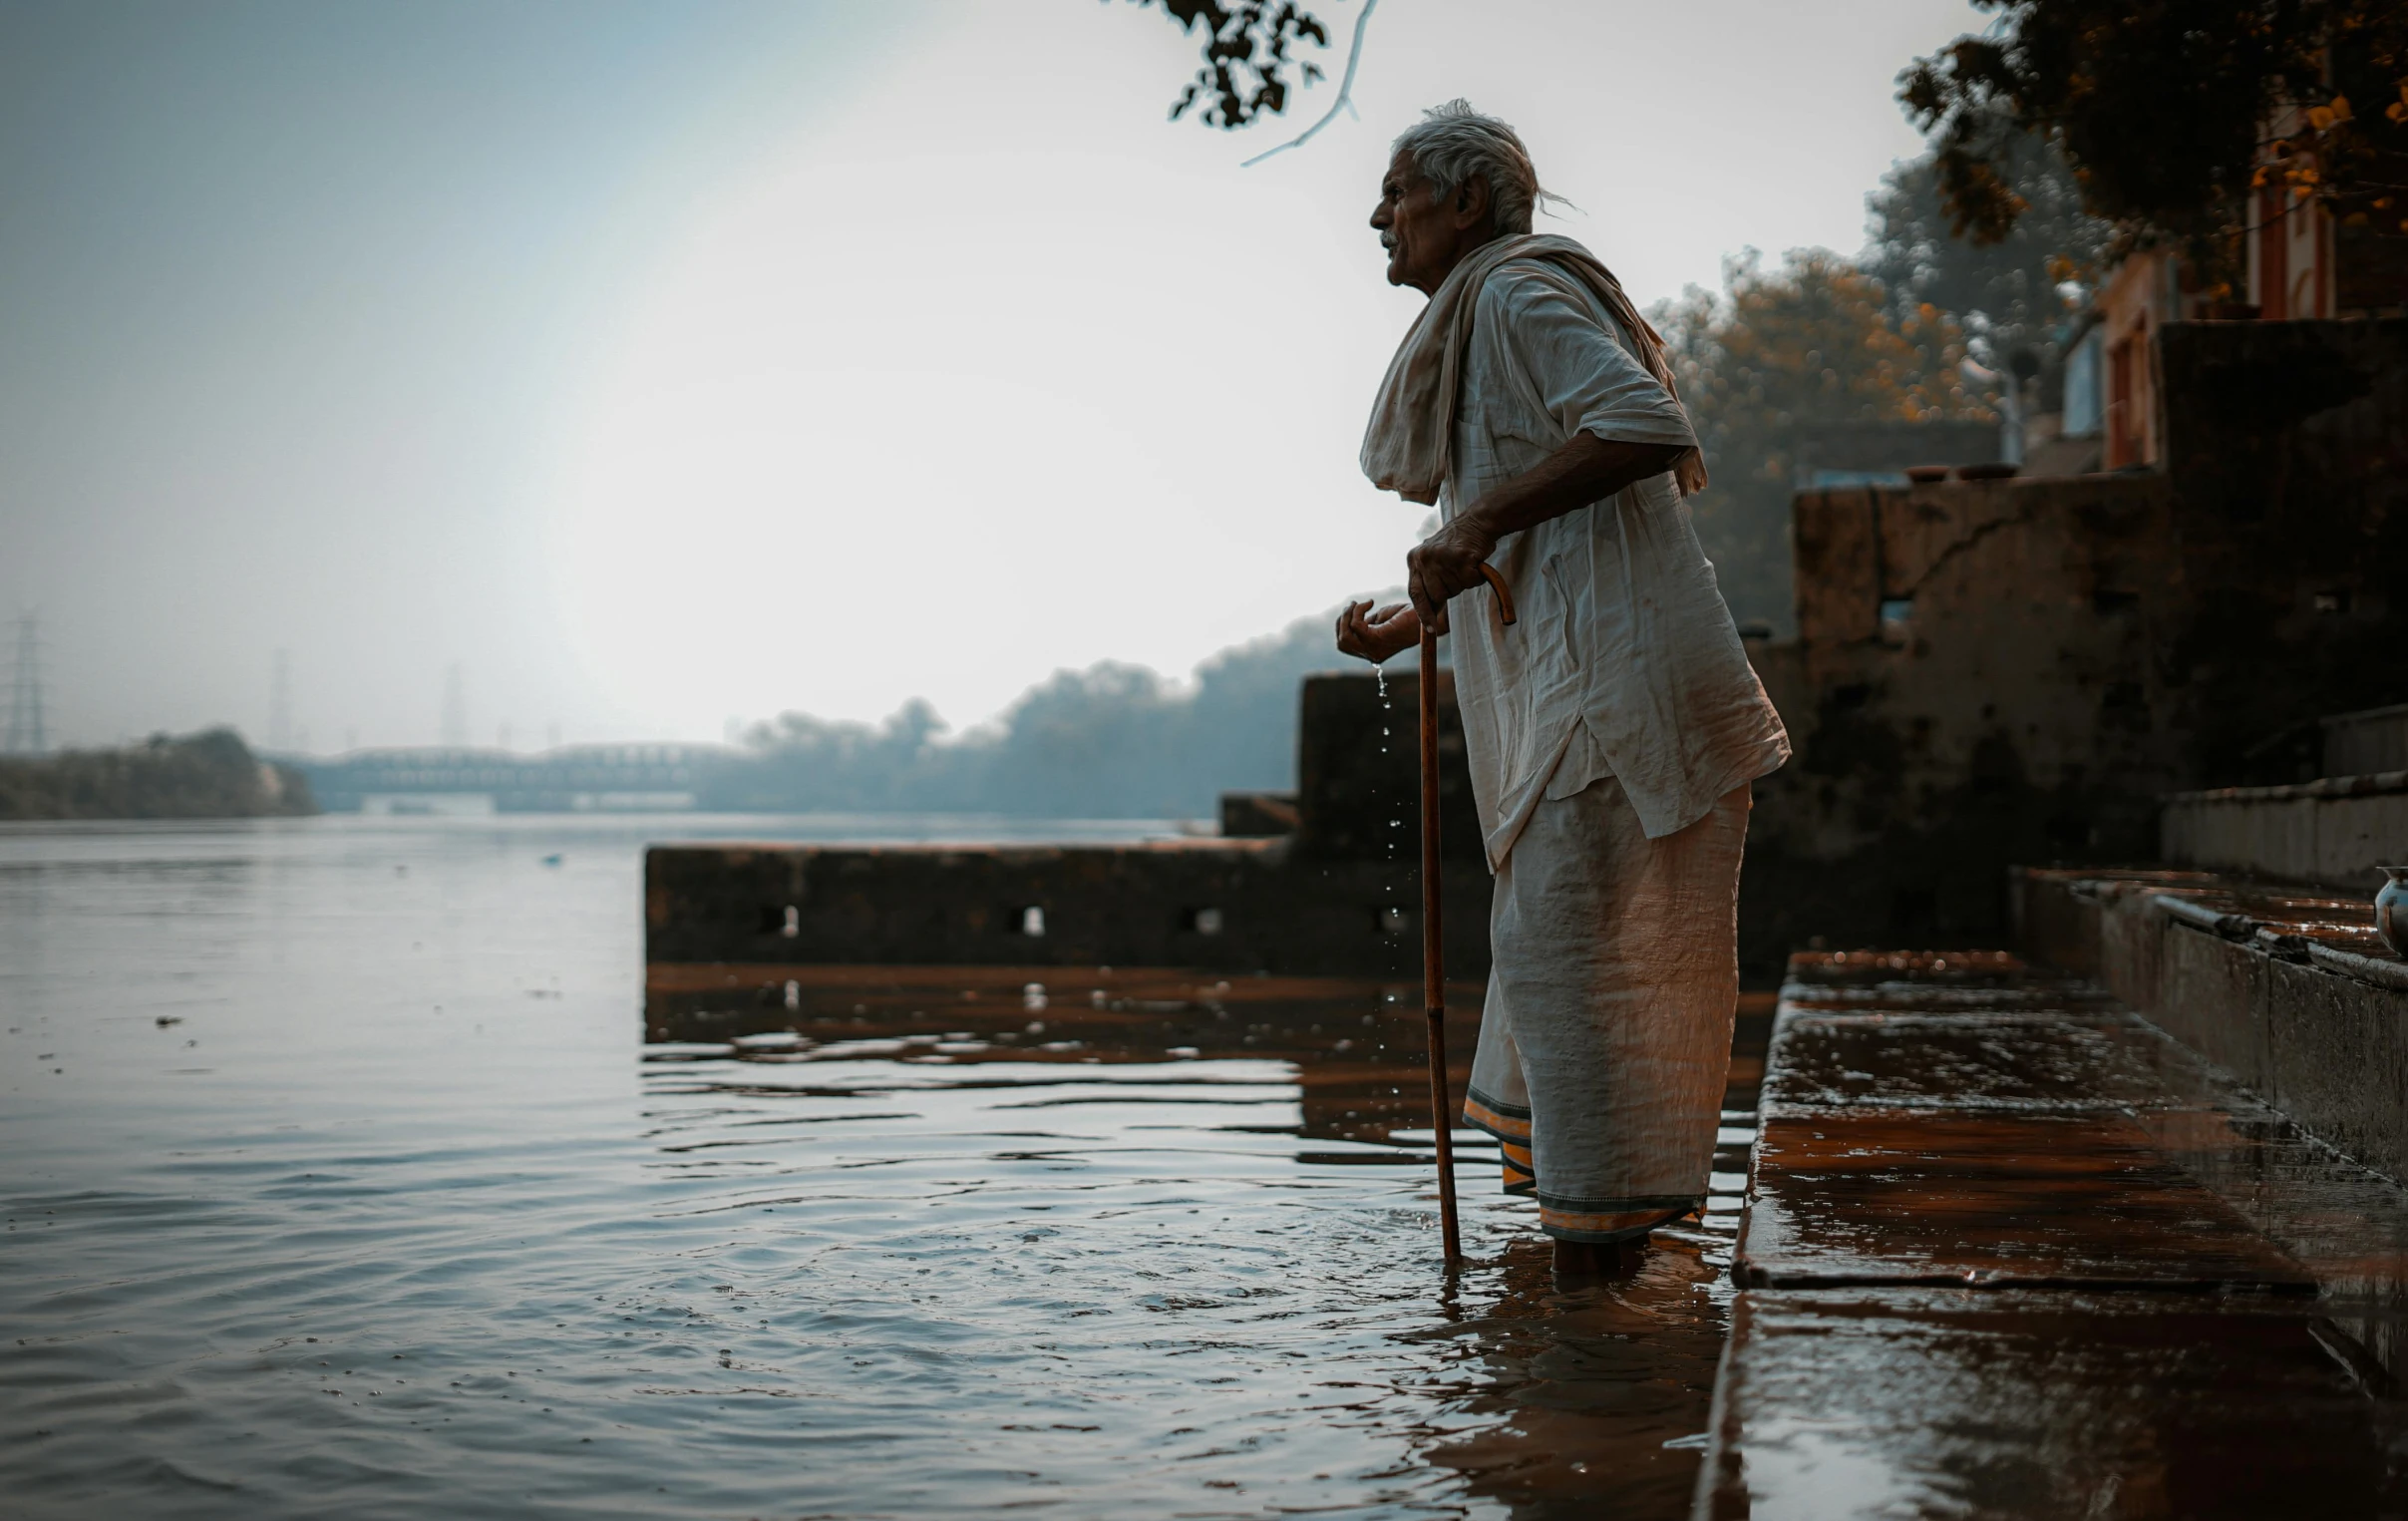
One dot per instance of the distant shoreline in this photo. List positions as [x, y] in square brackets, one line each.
[208, 775]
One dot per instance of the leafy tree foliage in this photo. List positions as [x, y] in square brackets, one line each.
[1778, 352]
[2168, 110]
[1249, 50]
[1781, 353]
[209, 775]
[2011, 296]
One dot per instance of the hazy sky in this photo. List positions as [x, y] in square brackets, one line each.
[665, 363]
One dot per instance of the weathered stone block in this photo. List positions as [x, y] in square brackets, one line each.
[2339, 1060]
[2356, 836]
[1322, 881]
[2206, 993]
[1358, 771]
[1235, 906]
[2015, 1404]
[2289, 995]
[2064, 652]
[2367, 742]
[1872, 1195]
[1839, 566]
[2335, 831]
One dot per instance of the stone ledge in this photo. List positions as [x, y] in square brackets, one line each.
[1233, 905]
[1321, 881]
[2011, 1250]
[2292, 993]
[2338, 830]
[2323, 787]
[2016, 1404]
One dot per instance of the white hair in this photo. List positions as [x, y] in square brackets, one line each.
[1453, 144]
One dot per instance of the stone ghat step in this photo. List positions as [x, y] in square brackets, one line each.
[2010, 1250]
[2336, 829]
[2028, 1404]
[2287, 989]
[1225, 906]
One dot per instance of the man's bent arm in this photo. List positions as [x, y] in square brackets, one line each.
[1587, 469]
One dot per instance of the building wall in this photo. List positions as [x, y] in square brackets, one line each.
[2130, 308]
[2305, 266]
[1997, 672]
[2290, 258]
[2143, 294]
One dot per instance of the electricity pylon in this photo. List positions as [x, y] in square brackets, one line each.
[25, 736]
[279, 704]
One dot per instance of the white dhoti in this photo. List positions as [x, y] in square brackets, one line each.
[1605, 1039]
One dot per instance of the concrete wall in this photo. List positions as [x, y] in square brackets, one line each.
[2007, 709]
[2335, 831]
[2361, 744]
[1342, 895]
[1358, 771]
[1228, 905]
[2060, 652]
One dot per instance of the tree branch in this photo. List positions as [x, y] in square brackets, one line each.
[1344, 102]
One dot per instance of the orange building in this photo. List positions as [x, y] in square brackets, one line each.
[2143, 294]
[2302, 267]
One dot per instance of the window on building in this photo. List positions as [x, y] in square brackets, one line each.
[2123, 410]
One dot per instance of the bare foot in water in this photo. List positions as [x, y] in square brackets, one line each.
[1588, 1258]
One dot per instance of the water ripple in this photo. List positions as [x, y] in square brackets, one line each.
[421, 1246]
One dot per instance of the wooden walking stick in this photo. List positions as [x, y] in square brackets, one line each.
[1433, 955]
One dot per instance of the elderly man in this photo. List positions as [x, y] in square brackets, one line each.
[1613, 730]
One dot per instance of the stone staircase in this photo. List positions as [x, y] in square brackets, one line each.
[2111, 1227]
[2011, 1250]
[2256, 943]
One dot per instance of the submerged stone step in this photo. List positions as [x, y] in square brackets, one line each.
[2011, 1403]
[2287, 989]
[2011, 1250]
[2018, 1059]
[1230, 906]
[1934, 1196]
[1970, 1144]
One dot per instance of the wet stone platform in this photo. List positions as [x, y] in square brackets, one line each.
[2010, 1250]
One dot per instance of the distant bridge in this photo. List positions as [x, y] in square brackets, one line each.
[578, 778]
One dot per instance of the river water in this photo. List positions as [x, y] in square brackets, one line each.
[341, 1177]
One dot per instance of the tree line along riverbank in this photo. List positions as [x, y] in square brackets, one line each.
[208, 775]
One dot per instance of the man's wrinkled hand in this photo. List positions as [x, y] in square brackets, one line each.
[1446, 562]
[1375, 636]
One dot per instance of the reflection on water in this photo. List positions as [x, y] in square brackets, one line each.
[343, 1177]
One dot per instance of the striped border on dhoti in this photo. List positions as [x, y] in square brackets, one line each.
[1520, 1177]
[1511, 1125]
[1506, 1122]
[1611, 1220]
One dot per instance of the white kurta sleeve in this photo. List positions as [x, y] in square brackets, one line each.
[1571, 363]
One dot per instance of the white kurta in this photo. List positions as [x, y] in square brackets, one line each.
[1625, 662]
[1611, 732]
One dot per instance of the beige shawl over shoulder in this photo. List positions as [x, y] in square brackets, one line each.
[1412, 421]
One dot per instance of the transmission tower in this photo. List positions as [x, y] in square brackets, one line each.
[25, 736]
[279, 704]
[454, 708]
